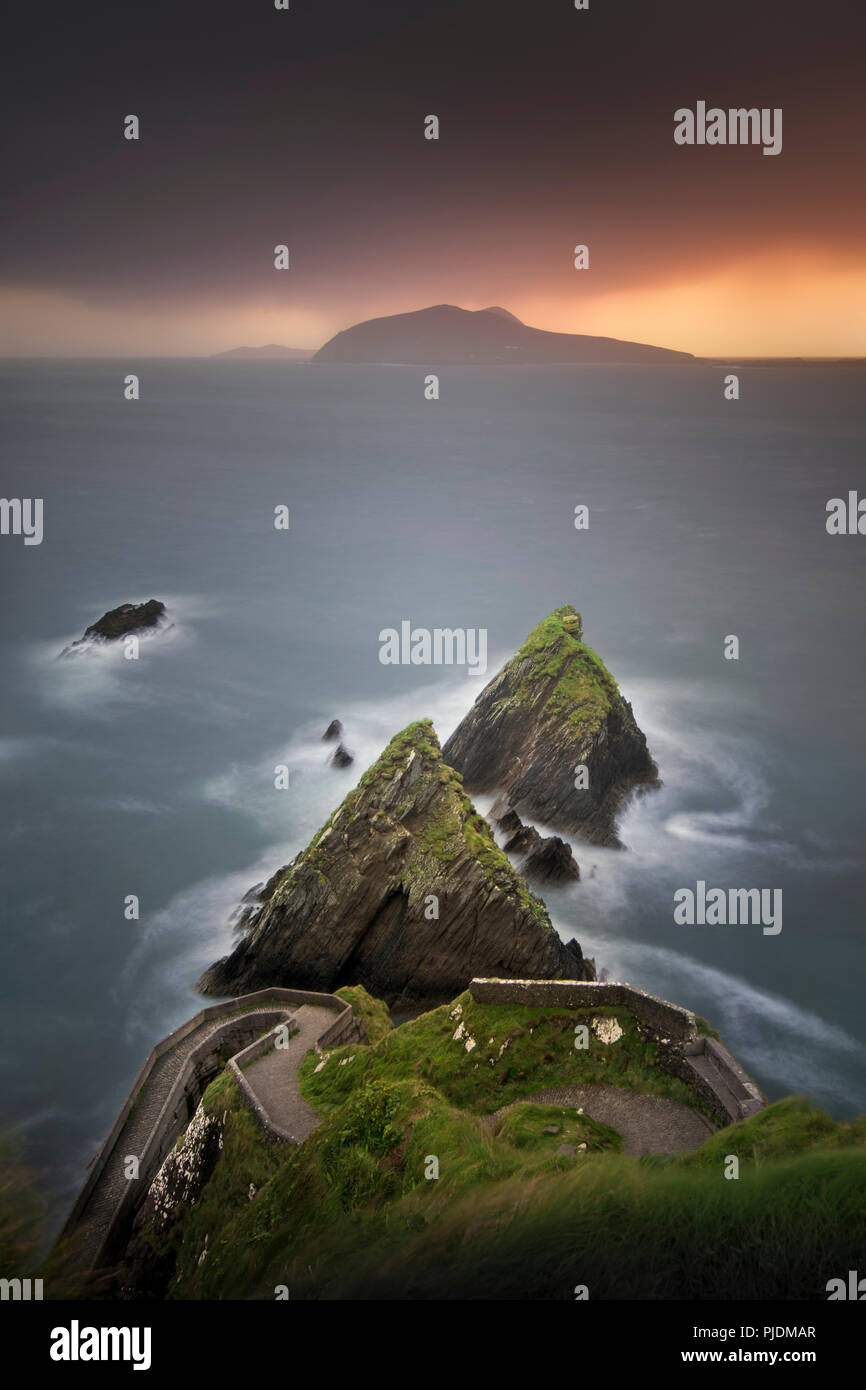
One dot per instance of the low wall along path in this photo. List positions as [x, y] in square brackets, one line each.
[241, 1033]
[702, 1063]
[163, 1098]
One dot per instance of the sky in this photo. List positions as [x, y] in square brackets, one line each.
[305, 126]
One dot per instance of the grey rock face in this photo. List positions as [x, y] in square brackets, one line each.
[404, 891]
[551, 710]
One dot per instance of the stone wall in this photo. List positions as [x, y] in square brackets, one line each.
[97, 1164]
[702, 1063]
[708, 1067]
[668, 1020]
[202, 1066]
[245, 1019]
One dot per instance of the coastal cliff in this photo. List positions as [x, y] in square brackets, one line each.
[555, 708]
[404, 891]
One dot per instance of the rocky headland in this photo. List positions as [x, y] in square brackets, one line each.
[403, 890]
[553, 710]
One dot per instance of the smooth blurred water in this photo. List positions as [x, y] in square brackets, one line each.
[155, 777]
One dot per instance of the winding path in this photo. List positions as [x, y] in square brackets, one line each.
[648, 1124]
[273, 1077]
[169, 1086]
[240, 1033]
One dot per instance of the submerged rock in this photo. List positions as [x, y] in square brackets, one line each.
[342, 757]
[552, 709]
[510, 822]
[334, 730]
[405, 891]
[524, 841]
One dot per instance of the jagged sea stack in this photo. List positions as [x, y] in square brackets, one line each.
[404, 891]
[552, 708]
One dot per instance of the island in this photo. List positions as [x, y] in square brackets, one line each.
[446, 334]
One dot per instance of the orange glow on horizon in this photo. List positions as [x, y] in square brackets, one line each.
[784, 303]
[779, 304]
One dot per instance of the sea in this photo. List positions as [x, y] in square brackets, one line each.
[153, 779]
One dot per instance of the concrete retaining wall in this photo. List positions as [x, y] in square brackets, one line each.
[345, 1029]
[717, 1077]
[237, 1066]
[201, 1067]
[98, 1162]
[668, 1020]
[245, 1019]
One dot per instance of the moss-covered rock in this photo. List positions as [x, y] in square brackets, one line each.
[553, 707]
[403, 890]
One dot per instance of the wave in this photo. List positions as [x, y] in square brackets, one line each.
[368, 728]
[785, 1043]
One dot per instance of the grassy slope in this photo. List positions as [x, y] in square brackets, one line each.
[353, 1214]
[538, 1052]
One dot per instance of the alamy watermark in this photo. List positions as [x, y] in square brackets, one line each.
[729, 907]
[20, 1290]
[22, 516]
[735, 126]
[77, 1343]
[441, 646]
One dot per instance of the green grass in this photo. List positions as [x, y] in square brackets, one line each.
[406, 1190]
[779, 1232]
[705, 1030]
[538, 1052]
[352, 1215]
[582, 690]
[527, 1126]
[788, 1128]
[372, 1012]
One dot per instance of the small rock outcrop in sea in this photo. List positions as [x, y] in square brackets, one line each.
[552, 709]
[129, 617]
[121, 622]
[543, 859]
[342, 757]
[254, 900]
[334, 730]
[403, 890]
[551, 861]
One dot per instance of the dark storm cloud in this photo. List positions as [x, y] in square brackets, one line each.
[261, 126]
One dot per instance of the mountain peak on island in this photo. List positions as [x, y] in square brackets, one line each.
[447, 334]
[503, 313]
